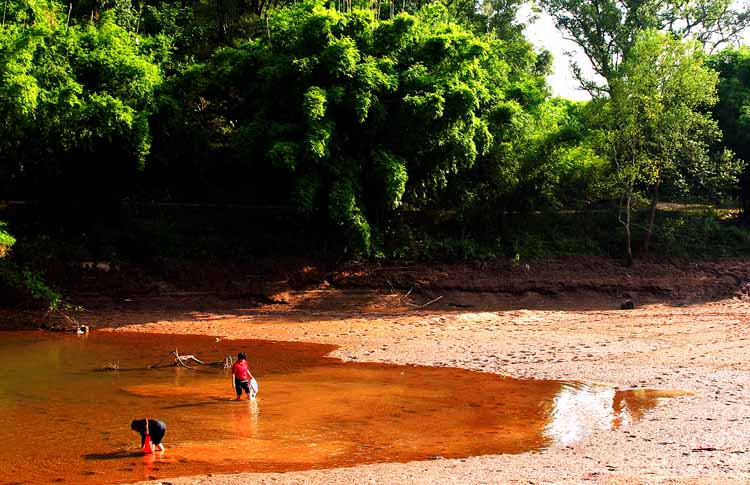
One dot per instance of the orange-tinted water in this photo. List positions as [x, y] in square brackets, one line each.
[64, 421]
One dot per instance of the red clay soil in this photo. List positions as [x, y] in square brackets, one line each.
[559, 320]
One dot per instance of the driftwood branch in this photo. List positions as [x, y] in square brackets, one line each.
[407, 294]
[182, 360]
[402, 298]
[393, 290]
[226, 362]
[426, 304]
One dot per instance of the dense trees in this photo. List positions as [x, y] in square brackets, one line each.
[74, 107]
[373, 114]
[608, 32]
[355, 114]
[733, 110]
[659, 127]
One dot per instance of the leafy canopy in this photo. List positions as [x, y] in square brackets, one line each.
[660, 103]
[74, 102]
[357, 116]
[606, 30]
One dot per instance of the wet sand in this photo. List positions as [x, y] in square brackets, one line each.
[690, 335]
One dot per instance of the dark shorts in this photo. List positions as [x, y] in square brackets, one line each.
[240, 385]
[157, 431]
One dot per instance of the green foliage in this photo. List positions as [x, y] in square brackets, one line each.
[373, 115]
[705, 234]
[535, 236]
[344, 211]
[23, 279]
[659, 103]
[607, 30]
[31, 12]
[733, 111]
[314, 104]
[74, 105]
[355, 118]
[31, 283]
[392, 174]
[283, 155]
[659, 132]
[6, 240]
[306, 190]
[561, 167]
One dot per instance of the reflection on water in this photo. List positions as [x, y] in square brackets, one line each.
[578, 410]
[312, 412]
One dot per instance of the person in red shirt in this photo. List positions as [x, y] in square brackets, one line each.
[241, 376]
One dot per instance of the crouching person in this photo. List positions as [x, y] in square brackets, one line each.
[153, 428]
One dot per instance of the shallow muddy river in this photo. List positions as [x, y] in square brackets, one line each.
[66, 421]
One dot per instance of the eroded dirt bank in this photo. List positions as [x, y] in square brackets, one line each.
[558, 320]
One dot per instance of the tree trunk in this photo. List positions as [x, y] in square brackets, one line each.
[504, 223]
[651, 217]
[745, 195]
[628, 244]
[626, 223]
[221, 20]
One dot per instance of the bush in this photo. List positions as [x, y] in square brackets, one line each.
[703, 234]
[6, 240]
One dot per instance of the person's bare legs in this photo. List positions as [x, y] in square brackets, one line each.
[161, 447]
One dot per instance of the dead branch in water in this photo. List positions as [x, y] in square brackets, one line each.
[182, 361]
[425, 305]
[226, 363]
[401, 299]
[393, 290]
